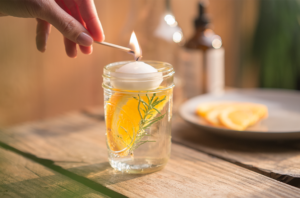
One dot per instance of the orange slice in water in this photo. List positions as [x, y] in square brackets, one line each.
[123, 119]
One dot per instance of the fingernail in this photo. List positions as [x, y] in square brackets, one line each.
[84, 39]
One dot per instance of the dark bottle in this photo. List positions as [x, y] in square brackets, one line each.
[202, 59]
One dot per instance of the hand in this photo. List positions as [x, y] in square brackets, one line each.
[77, 20]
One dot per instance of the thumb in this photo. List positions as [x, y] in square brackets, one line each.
[67, 25]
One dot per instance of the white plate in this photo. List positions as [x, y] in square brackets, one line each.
[283, 122]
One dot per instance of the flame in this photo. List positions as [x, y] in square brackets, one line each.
[134, 45]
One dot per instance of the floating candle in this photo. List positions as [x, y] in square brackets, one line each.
[137, 76]
[137, 67]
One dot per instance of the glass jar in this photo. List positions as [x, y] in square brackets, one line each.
[138, 122]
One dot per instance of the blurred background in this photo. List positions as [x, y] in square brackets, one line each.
[261, 39]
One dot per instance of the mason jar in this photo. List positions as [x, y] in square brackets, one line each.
[138, 122]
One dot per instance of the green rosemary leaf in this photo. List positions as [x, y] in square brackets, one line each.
[150, 115]
[156, 110]
[153, 121]
[153, 95]
[159, 101]
[149, 101]
[155, 101]
[139, 106]
[146, 115]
[145, 105]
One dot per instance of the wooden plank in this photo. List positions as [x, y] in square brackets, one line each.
[77, 144]
[20, 177]
[278, 160]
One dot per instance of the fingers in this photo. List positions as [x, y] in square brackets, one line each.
[67, 25]
[73, 27]
[74, 11]
[86, 50]
[89, 15]
[42, 33]
[70, 47]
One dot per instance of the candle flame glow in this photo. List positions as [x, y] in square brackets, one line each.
[134, 45]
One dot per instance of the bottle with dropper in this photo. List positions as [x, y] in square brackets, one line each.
[202, 59]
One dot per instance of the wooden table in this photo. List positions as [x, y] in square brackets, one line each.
[67, 157]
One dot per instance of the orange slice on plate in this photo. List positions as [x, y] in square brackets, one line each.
[212, 116]
[205, 108]
[241, 116]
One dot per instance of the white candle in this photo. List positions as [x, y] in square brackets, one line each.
[136, 76]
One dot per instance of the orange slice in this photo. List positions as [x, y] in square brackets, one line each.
[212, 116]
[241, 116]
[205, 108]
[123, 119]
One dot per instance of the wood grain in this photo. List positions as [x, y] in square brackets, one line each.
[77, 143]
[20, 177]
[278, 160]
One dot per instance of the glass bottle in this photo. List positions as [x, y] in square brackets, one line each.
[202, 59]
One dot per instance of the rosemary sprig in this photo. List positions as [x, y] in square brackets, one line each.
[146, 120]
